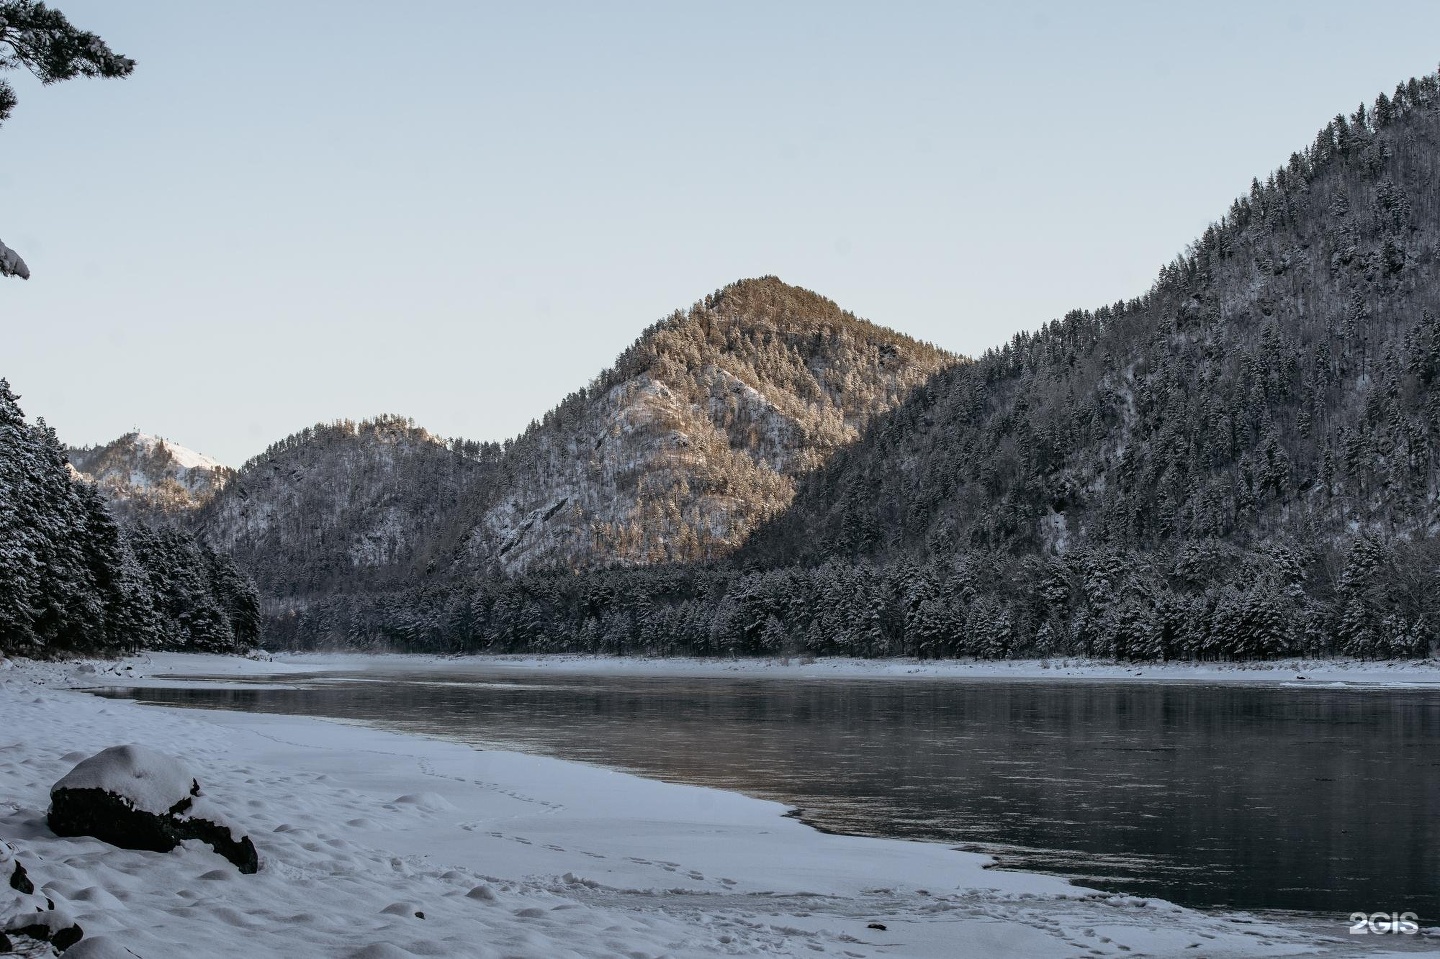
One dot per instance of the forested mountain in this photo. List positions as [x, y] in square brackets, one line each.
[149, 476]
[1282, 378]
[1241, 462]
[75, 579]
[697, 433]
[347, 506]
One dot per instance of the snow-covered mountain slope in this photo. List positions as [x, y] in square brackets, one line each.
[1278, 385]
[697, 433]
[343, 505]
[143, 473]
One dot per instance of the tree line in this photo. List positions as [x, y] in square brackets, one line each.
[76, 580]
[1207, 600]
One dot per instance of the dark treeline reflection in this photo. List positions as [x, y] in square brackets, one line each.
[1261, 798]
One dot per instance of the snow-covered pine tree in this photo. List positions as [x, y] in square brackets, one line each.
[74, 580]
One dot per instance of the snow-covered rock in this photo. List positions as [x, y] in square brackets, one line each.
[138, 798]
[25, 913]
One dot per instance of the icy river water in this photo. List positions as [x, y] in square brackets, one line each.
[1322, 800]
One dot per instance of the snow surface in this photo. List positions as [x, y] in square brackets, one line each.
[360, 831]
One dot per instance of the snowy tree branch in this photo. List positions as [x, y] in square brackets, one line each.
[11, 264]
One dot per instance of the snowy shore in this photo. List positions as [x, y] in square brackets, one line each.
[1420, 672]
[1322, 671]
[509, 855]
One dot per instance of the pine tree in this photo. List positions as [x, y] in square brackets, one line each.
[19, 585]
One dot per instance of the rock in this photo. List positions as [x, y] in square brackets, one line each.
[20, 881]
[137, 798]
[25, 912]
[52, 926]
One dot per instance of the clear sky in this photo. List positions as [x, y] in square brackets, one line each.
[460, 211]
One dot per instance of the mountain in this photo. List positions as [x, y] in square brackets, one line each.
[1242, 462]
[697, 433]
[148, 475]
[1281, 378]
[345, 506]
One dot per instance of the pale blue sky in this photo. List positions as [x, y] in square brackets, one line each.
[461, 211]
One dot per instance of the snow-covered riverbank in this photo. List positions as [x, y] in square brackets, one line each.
[505, 854]
[1332, 671]
[1422, 672]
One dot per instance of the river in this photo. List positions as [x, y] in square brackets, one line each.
[1260, 797]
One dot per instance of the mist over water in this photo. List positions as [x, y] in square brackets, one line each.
[1318, 799]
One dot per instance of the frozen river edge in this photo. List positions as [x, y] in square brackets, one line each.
[506, 854]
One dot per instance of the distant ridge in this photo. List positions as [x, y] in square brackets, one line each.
[150, 475]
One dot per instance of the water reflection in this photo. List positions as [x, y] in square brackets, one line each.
[1262, 798]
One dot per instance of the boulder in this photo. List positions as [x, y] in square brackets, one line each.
[137, 798]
